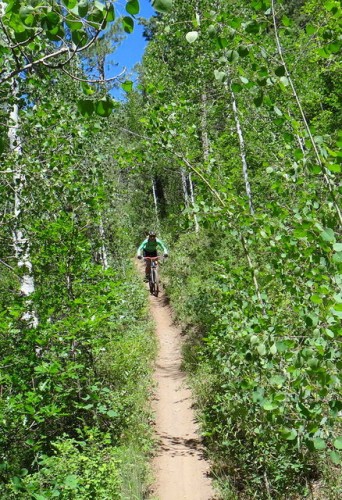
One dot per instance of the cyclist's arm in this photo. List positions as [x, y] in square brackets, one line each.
[162, 245]
[141, 248]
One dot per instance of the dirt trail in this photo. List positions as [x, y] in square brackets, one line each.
[180, 470]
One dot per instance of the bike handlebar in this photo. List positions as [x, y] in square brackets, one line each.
[152, 258]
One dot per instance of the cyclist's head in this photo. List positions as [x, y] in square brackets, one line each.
[152, 234]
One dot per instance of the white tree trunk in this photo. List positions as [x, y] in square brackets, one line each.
[185, 187]
[204, 127]
[155, 199]
[21, 243]
[103, 250]
[192, 198]
[325, 171]
[242, 147]
[189, 195]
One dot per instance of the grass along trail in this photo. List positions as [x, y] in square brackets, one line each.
[180, 469]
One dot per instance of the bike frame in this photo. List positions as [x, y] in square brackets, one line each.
[153, 280]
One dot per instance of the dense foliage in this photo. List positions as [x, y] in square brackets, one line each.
[76, 342]
[243, 102]
[230, 146]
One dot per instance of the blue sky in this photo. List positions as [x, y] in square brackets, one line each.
[132, 48]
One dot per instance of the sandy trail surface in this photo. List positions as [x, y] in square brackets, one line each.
[181, 471]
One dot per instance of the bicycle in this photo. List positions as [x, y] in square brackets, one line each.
[153, 278]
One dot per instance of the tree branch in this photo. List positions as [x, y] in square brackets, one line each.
[106, 80]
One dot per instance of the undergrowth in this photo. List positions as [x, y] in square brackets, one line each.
[75, 422]
[266, 387]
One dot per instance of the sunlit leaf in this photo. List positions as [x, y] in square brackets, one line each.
[328, 234]
[319, 443]
[191, 36]
[132, 7]
[338, 443]
[104, 107]
[162, 6]
[127, 24]
[127, 86]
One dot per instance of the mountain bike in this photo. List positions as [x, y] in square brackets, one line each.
[153, 278]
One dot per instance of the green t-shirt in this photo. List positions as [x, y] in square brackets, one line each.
[152, 246]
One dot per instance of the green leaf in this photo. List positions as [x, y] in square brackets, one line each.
[110, 13]
[112, 413]
[132, 7]
[127, 86]
[280, 71]
[191, 36]
[335, 168]
[85, 107]
[79, 37]
[310, 29]
[319, 443]
[335, 457]
[338, 443]
[236, 87]
[273, 349]
[258, 100]
[83, 8]
[127, 24]
[162, 6]
[73, 23]
[220, 43]
[87, 89]
[261, 349]
[219, 75]
[337, 257]
[286, 21]
[288, 137]
[232, 55]
[269, 406]
[70, 4]
[284, 80]
[243, 51]
[104, 107]
[277, 380]
[337, 247]
[329, 333]
[277, 111]
[71, 482]
[328, 235]
[289, 434]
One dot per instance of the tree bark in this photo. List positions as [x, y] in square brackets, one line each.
[21, 243]
[242, 145]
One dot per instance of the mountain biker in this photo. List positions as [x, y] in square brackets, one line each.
[149, 248]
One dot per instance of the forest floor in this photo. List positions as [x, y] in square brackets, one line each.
[180, 469]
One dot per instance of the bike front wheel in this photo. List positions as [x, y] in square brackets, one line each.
[154, 283]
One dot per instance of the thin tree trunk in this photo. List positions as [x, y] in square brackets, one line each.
[103, 250]
[192, 198]
[155, 199]
[325, 171]
[185, 187]
[204, 127]
[189, 196]
[21, 243]
[242, 146]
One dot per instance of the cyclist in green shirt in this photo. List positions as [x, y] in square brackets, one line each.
[149, 248]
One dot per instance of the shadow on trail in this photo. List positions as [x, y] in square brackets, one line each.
[170, 372]
[179, 446]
